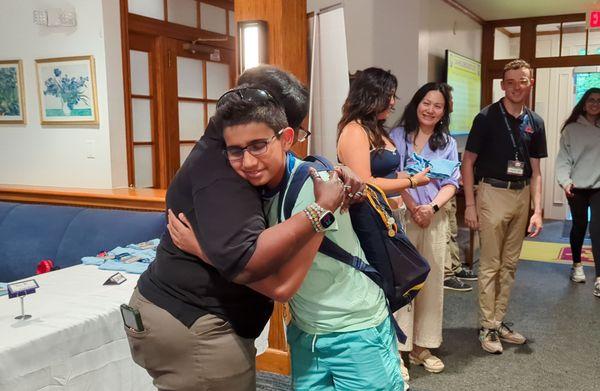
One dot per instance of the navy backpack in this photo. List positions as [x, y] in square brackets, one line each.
[394, 263]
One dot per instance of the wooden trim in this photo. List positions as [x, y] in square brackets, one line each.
[138, 96]
[227, 5]
[166, 9]
[188, 141]
[504, 31]
[143, 143]
[456, 5]
[135, 199]
[149, 26]
[127, 91]
[560, 41]
[273, 360]
[198, 15]
[537, 20]
[587, 41]
[199, 100]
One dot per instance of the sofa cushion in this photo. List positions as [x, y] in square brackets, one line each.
[30, 233]
[5, 208]
[95, 230]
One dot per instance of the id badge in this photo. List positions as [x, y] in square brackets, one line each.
[515, 167]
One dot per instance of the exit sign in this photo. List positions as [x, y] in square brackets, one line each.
[593, 20]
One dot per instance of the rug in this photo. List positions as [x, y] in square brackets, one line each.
[554, 252]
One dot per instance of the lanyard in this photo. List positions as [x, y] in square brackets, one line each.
[510, 131]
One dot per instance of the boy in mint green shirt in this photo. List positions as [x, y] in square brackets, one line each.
[340, 336]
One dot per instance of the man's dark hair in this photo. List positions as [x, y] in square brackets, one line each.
[285, 88]
[237, 111]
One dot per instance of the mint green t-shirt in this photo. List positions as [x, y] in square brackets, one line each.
[334, 297]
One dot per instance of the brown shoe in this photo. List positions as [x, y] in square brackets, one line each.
[509, 336]
[490, 341]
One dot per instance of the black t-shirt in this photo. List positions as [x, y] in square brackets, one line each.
[227, 217]
[490, 140]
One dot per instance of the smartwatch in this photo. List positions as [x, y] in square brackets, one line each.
[326, 219]
[435, 207]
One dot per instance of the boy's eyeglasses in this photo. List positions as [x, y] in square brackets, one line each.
[303, 134]
[248, 94]
[255, 148]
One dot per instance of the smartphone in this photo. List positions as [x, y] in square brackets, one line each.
[132, 318]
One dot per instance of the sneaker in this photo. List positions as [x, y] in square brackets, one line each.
[490, 341]
[597, 287]
[509, 336]
[455, 284]
[577, 274]
[430, 362]
[466, 274]
[405, 375]
[404, 371]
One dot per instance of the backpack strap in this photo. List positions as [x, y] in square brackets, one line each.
[286, 205]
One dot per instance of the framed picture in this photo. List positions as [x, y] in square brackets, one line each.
[12, 96]
[67, 90]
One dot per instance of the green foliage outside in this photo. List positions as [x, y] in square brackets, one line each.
[585, 81]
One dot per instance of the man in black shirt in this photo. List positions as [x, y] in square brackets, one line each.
[200, 321]
[503, 152]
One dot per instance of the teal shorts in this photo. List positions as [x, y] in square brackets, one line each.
[358, 360]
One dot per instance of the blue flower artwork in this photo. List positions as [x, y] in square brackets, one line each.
[67, 90]
[70, 90]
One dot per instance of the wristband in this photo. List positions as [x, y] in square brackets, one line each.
[412, 183]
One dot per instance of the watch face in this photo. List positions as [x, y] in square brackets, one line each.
[327, 219]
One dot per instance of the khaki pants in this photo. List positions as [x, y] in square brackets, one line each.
[421, 320]
[503, 216]
[207, 356]
[452, 265]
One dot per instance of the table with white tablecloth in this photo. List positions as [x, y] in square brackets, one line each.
[75, 339]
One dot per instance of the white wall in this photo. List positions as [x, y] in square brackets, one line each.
[409, 37]
[33, 154]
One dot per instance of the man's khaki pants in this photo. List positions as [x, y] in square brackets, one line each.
[503, 216]
[452, 265]
[421, 320]
[207, 356]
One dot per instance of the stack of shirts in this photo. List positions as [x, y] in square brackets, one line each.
[133, 258]
[3, 289]
[440, 168]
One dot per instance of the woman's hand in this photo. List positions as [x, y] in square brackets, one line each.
[421, 178]
[568, 190]
[354, 186]
[329, 194]
[183, 236]
[423, 215]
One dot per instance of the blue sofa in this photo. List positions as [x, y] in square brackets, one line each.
[64, 234]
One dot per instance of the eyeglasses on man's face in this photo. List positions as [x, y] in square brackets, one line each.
[302, 134]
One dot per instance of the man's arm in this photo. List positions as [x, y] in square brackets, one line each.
[535, 223]
[468, 177]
